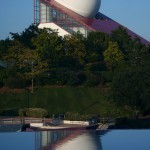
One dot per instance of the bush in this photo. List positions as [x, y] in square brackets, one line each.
[36, 112]
[76, 79]
[73, 79]
[22, 112]
[54, 77]
[92, 80]
[82, 77]
[97, 66]
[107, 75]
[76, 116]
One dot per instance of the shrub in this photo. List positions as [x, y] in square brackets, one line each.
[22, 112]
[36, 112]
[92, 80]
[96, 66]
[82, 77]
[73, 79]
[76, 116]
[107, 75]
[76, 79]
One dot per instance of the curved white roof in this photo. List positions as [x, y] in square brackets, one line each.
[86, 8]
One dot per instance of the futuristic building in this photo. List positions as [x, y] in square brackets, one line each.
[70, 16]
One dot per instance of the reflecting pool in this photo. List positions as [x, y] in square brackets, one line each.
[76, 140]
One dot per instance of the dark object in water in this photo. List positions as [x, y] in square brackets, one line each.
[92, 127]
[24, 127]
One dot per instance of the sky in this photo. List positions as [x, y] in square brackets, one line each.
[16, 15]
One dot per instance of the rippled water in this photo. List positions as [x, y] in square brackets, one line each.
[76, 140]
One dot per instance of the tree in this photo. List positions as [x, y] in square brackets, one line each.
[96, 43]
[131, 82]
[49, 46]
[4, 46]
[113, 55]
[75, 50]
[123, 39]
[26, 36]
[131, 87]
[26, 62]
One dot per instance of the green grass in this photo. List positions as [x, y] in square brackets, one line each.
[61, 100]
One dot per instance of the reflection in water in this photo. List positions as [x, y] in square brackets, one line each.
[67, 140]
[76, 140]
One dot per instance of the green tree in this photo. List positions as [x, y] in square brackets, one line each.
[26, 62]
[26, 36]
[113, 55]
[123, 39]
[49, 46]
[4, 46]
[75, 51]
[131, 83]
[96, 43]
[131, 87]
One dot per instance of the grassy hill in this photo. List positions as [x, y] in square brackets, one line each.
[84, 100]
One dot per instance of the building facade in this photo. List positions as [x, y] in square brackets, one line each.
[69, 18]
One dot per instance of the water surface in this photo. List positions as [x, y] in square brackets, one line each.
[76, 140]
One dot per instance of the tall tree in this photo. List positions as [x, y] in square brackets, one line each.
[131, 83]
[49, 46]
[4, 46]
[96, 43]
[113, 55]
[123, 39]
[26, 62]
[75, 50]
[26, 36]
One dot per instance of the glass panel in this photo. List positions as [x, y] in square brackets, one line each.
[51, 14]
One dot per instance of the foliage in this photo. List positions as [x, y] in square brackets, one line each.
[26, 36]
[42, 56]
[123, 39]
[75, 50]
[93, 79]
[131, 87]
[4, 45]
[22, 112]
[76, 116]
[59, 100]
[36, 112]
[96, 43]
[33, 112]
[112, 55]
[14, 82]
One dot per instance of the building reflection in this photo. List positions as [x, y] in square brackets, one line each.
[68, 140]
